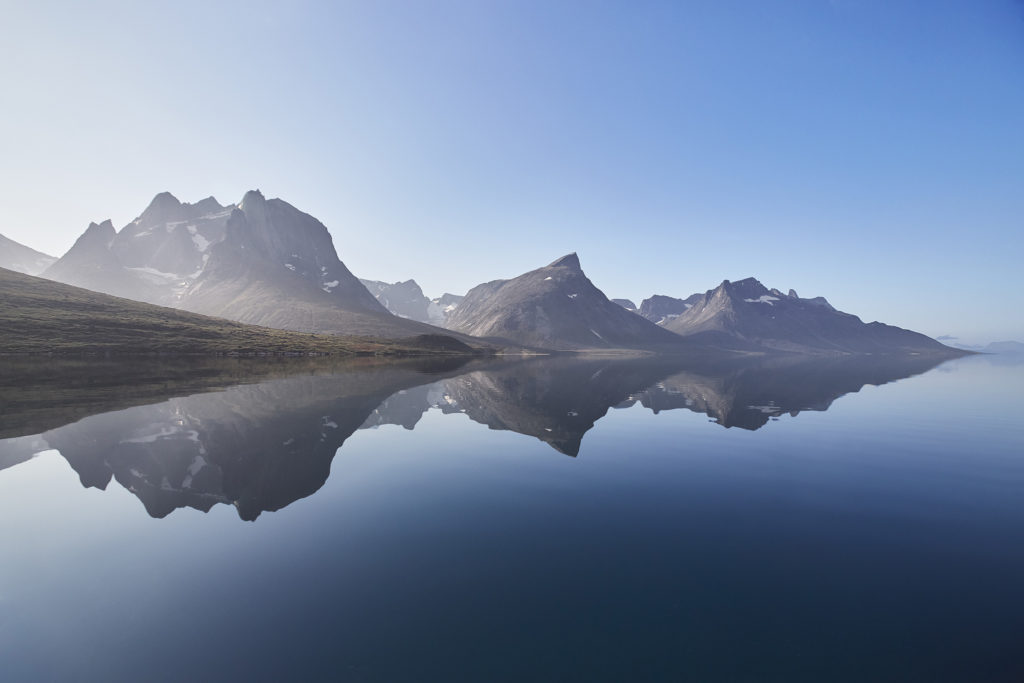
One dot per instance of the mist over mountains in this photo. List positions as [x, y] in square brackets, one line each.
[22, 259]
[264, 262]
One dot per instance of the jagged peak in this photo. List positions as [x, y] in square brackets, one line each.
[104, 228]
[165, 199]
[251, 198]
[208, 204]
[568, 261]
[162, 202]
[164, 207]
[96, 235]
[793, 294]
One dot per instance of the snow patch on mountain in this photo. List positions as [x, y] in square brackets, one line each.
[764, 299]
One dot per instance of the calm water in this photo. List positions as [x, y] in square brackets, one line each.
[549, 520]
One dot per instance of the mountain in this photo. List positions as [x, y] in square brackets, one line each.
[442, 306]
[261, 262]
[660, 309]
[555, 307]
[749, 312]
[404, 299]
[18, 257]
[625, 303]
[152, 259]
[42, 316]
[407, 300]
[1004, 347]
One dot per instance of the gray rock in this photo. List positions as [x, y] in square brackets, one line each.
[625, 303]
[555, 307]
[747, 312]
[659, 308]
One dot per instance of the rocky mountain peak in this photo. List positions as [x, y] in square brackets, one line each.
[165, 207]
[208, 205]
[567, 261]
[98, 233]
[252, 200]
[748, 288]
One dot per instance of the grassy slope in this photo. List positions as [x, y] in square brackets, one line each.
[41, 316]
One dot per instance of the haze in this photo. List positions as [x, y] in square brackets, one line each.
[870, 152]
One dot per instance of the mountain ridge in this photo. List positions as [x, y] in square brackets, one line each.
[20, 258]
[555, 307]
[749, 312]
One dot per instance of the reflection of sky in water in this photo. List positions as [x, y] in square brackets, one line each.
[880, 538]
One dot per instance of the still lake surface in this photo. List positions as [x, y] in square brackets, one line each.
[545, 520]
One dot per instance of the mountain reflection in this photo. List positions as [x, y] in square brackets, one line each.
[264, 445]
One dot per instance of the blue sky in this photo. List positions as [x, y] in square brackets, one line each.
[868, 151]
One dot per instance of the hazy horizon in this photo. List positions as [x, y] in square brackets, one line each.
[867, 152]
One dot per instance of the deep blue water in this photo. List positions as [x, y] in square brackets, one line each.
[504, 538]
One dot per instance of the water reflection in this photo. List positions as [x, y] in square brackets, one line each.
[264, 444]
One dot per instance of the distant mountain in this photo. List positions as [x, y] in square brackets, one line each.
[444, 305]
[262, 262]
[42, 316]
[749, 312]
[625, 303]
[1004, 347]
[660, 309]
[555, 307]
[405, 299]
[18, 257]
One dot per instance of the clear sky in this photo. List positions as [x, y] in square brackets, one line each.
[871, 151]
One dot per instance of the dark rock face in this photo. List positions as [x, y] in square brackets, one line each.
[625, 303]
[749, 312]
[660, 309]
[555, 307]
[22, 259]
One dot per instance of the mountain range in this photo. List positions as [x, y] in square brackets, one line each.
[407, 300]
[261, 262]
[22, 259]
[747, 311]
[555, 307]
[264, 262]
